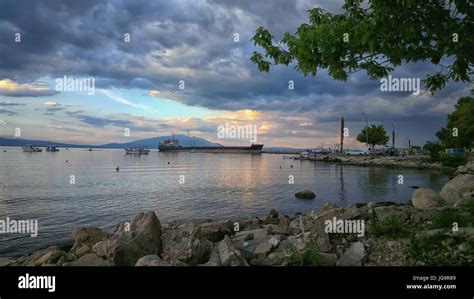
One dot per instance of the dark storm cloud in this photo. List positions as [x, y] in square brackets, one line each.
[102, 122]
[194, 41]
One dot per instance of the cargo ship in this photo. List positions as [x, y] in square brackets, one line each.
[172, 145]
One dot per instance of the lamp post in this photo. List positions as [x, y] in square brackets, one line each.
[366, 130]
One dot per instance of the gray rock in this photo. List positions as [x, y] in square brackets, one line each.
[249, 237]
[83, 250]
[67, 258]
[229, 255]
[150, 261]
[459, 190]
[263, 248]
[306, 194]
[466, 169]
[131, 241]
[386, 212]
[328, 206]
[424, 198]
[215, 259]
[48, 256]
[88, 260]
[354, 256]
[272, 217]
[186, 244]
[87, 236]
[215, 231]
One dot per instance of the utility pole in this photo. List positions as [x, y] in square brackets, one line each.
[342, 134]
[366, 130]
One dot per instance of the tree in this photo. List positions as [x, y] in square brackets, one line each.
[459, 131]
[377, 135]
[376, 38]
[434, 148]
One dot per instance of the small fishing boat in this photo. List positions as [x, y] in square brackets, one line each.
[32, 149]
[137, 150]
[52, 148]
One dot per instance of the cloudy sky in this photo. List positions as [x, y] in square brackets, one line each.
[190, 44]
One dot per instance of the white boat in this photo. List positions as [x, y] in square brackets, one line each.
[31, 148]
[137, 150]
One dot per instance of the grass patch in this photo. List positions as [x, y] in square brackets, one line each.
[446, 219]
[392, 227]
[310, 257]
[433, 251]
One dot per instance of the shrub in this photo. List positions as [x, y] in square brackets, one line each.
[452, 161]
[446, 218]
[392, 227]
[310, 257]
[434, 251]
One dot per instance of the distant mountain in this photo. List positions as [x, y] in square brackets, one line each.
[149, 143]
[153, 142]
[22, 142]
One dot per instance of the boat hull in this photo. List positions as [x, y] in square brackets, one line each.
[254, 149]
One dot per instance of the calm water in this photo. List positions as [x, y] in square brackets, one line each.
[218, 186]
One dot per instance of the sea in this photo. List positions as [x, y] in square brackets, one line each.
[77, 187]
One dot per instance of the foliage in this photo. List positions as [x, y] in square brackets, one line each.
[462, 119]
[434, 148]
[446, 218]
[377, 37]
[453, 161]
[392, 227]
[377, 135]
[310, 257]
[435, 251]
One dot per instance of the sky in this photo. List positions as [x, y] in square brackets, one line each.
[183, 69]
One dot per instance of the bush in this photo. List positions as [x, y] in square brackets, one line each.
[310, 257]
[392, 227]
[452, 161]
[434, 251]
[446, 218]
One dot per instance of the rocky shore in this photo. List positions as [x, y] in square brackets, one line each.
[430, 229]
[414, 162]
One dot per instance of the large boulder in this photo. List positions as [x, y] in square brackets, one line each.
[44, 257]
[424, 198]
[229, 255]
[150, 261]
[459, 190]
[466, 169]
[354, 256]
[215, 231]
[306, 194]
[131, 241]
[214, 259]
[87, 236]
[88, 260]
[186, 244]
